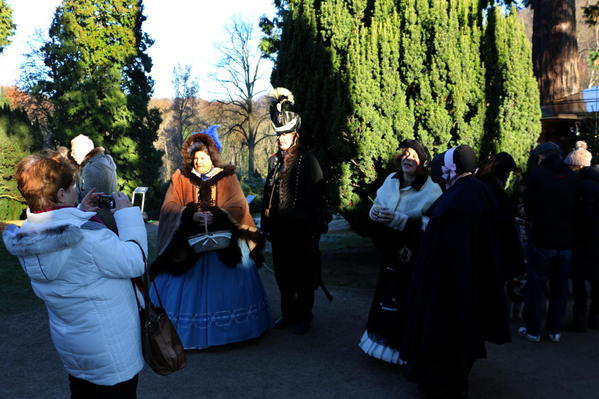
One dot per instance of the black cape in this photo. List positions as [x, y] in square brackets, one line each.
[512, 252]
[456, 299]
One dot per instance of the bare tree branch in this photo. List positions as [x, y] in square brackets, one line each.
[238, 72]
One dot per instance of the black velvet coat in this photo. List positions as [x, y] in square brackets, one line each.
[511, 251]
[456, 299]
[294, 192]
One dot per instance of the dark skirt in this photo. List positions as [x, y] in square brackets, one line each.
[384, 328]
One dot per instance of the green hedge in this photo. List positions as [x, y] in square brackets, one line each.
[11, 209]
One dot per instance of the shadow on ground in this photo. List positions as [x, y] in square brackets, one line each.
[326, 363]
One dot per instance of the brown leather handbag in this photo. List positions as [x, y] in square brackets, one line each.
[161, 345]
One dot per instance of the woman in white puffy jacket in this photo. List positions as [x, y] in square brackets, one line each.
[82, 271]
[399, 219]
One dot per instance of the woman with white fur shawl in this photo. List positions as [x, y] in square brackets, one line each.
[398, 221]
[216, 297]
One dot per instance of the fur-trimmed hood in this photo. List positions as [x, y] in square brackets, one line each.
[46, 235]
[51, 239]
[187, 153]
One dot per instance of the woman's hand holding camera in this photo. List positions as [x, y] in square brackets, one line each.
[94, 201]
[121, 201]
[203, 217]
[89, 203]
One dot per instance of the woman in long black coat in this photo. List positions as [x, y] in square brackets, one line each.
[455, 301]
[495, 175]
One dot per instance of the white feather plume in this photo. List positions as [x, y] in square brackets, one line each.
[280, 94]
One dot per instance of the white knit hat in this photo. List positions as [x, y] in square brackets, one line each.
[80, 147]
[580, 156]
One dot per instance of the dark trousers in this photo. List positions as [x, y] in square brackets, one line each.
[546, 265]
[581, 295]
[81, 389]
[296, 259]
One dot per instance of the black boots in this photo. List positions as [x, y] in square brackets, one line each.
[302, 327]
[282, 323]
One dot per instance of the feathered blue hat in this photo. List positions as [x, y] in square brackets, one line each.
[211, 131]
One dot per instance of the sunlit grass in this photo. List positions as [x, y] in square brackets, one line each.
[16, 294]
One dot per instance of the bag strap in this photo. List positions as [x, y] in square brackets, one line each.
[147, 285]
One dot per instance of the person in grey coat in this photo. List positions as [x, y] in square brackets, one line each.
[97, 170]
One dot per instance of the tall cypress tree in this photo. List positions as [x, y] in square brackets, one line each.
[369, 73]
[380, 118]
[513, 118]
[17, 140]
[7, 28]
[311, 63]
[98, 68]
[136, 146]
[443, 71]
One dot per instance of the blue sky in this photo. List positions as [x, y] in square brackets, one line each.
[185, 31]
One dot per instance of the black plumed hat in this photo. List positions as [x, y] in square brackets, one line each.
[283, 119]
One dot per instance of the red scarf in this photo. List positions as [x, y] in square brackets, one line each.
[93, 218]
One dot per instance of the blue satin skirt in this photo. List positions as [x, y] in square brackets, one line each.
[214, 304]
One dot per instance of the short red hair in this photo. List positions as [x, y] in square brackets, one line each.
[40, 176]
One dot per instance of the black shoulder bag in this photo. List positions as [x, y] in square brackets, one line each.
[161, 345]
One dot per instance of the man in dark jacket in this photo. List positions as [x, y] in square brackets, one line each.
[293, 216]
[550, 201]
[455, 300]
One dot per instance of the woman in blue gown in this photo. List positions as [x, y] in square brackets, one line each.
[216, 297]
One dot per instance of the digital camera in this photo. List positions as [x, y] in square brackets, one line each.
[105, 201]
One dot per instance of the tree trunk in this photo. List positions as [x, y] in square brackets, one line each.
[251, 158]
[554, 48]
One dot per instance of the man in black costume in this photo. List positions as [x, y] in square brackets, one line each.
[293, 216]
[456, 300]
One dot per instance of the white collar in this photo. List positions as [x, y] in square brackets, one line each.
[211, 173]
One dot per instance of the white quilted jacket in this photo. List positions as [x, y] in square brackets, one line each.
[82, 271]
